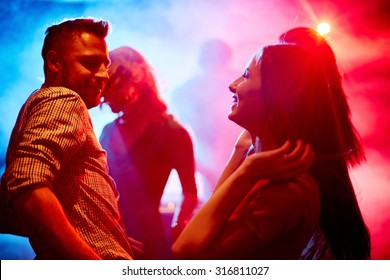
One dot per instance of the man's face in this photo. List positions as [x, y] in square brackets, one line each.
[84, 65]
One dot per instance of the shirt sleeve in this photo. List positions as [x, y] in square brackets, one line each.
[48, 132]
[274, 211]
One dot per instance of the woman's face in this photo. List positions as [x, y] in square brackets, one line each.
[119, 96]
[248, 109]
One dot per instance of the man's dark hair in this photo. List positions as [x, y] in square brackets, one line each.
[59, 34]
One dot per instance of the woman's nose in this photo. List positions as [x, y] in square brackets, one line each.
[232, 87]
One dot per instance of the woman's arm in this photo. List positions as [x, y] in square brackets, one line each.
[243, 143]
[198, 237]
[184, 163]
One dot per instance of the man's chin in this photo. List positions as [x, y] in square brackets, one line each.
[92, 103]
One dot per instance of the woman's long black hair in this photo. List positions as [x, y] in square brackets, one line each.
[301, 106]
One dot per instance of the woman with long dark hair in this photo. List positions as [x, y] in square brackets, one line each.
[282, 95]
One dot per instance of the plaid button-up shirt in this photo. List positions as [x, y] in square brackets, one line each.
[53, 144]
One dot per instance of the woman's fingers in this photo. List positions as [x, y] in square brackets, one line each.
[300, 162]
[280, 152]
[296, 153]
[283, 163]
[308, 156]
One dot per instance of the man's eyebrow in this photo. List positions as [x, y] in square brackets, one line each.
[107, 61]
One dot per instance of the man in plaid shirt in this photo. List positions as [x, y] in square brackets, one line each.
[56, 179]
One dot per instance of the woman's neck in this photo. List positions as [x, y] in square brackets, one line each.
[263, 141]
[135, 112]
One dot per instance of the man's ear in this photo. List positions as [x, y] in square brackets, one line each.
[53, 61]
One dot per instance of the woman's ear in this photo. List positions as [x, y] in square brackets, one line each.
[53, 61]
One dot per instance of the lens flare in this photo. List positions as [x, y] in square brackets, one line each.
[323, 28]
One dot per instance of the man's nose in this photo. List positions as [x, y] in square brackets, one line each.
[102, 72]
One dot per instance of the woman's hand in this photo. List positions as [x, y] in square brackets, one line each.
[280, 164]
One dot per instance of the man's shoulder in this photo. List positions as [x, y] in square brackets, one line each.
[53, 95]
[49, 103]
[54, 92]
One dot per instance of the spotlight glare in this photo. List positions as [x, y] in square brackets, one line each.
[323, 28]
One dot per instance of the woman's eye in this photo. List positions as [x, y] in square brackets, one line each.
[245, 75]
